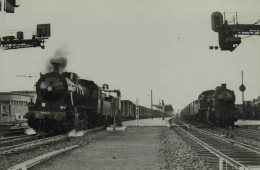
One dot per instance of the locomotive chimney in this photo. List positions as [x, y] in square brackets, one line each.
[56, 67]
[224, 86]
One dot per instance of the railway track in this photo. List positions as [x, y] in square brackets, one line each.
[244, 135]
[35, 142]
[249, 136]
[29, 145]
[219, 152]
[249, 132]
[7, 141]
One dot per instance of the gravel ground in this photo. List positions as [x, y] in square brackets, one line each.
[13, 159]
[236, 136]
[177, 154]
[148, 122]
[172, 149]
[134, 148]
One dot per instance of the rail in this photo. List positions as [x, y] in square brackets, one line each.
[27, 145]
[222, 157]
[41, 159]
[19, 147]
[240, 144]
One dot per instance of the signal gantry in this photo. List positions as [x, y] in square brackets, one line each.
[229, 35]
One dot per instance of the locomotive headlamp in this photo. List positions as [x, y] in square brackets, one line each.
[49, 88]
[62, 107]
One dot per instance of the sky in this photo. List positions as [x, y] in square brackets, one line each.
[136, 46]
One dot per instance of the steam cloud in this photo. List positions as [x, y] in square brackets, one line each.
[60, 56]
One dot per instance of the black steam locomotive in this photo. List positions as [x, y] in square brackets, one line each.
[65, 102]
[216, 107]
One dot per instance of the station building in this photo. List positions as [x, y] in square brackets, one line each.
[27, 92]
[13, 106]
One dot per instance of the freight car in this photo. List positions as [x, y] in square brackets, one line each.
[65, 102]
[128, 110]
[250, 110]
[256, 110]
[216, 107]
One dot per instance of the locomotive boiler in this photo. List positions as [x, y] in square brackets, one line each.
[64, 102]
[215, 107]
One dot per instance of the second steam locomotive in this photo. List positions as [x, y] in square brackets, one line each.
[65, 102]
[215, 107]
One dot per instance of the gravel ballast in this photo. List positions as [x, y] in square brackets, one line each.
[13, 159]
[172, 150]
[177, 154]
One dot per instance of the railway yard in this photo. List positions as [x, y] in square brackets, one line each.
[153, 144]
[129, 85]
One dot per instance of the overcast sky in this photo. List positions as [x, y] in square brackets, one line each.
[136, 46]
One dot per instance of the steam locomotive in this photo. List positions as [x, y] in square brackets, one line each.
[65, 102]
[215, 107]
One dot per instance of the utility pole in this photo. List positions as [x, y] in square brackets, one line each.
[151, 114]
[162, 110]
[242, 74]
[137, 111]
[242, 88]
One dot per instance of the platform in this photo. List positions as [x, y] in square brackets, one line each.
[134, 148]
[148, 122]
[247, 122]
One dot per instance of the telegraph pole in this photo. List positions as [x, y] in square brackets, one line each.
[151, 114]
[242, 88]
[242, 74]
[162, 110]
[137, 111]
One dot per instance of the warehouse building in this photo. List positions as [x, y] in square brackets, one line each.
[13, 106]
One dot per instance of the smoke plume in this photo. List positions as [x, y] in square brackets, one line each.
[60, 56]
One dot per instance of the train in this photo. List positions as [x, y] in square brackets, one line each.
[214, 107]
[250, 110]
[65, 102]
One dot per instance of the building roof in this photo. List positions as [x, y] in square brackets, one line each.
[9, 96]
[166, 107]
[24, 92]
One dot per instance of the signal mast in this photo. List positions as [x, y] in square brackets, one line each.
[229, 34]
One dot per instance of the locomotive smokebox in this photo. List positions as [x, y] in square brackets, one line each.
[224, 86]
[56, 67]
